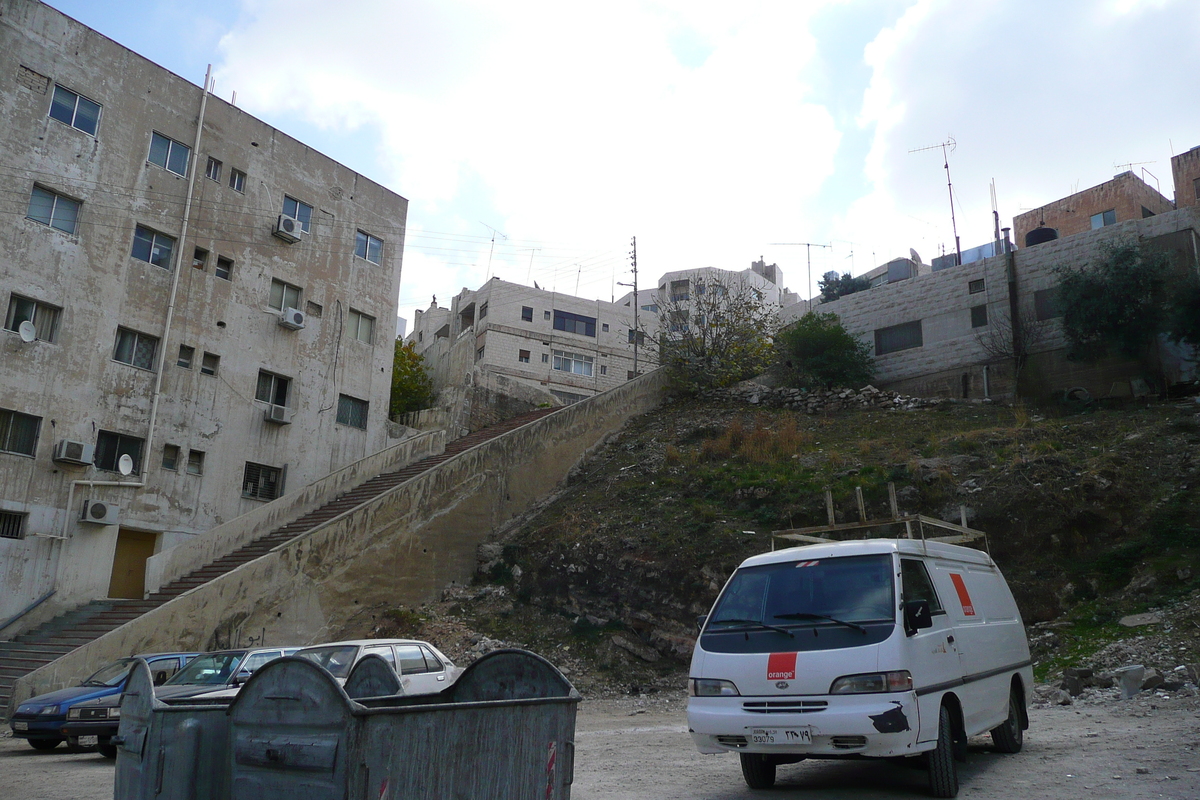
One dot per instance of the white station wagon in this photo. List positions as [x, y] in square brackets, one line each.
[422, 668]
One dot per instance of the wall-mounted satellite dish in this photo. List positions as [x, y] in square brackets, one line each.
[125, 464]
[27, 331]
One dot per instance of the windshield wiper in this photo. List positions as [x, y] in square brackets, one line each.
[809, 615]
[756, 622]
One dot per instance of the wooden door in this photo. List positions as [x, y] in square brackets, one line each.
[129, 564]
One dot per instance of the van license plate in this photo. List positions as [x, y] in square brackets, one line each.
[781, 736]
[20, 726]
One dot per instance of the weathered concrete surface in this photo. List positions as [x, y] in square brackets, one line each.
[401, 548]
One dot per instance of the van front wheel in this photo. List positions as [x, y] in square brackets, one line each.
[1008, 738]
[943, 772]
[758, 770]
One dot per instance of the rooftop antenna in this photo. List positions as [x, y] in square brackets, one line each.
[636, 330]
[995, 210]
[495, 233]
[808, 246]
[949, 186]
[532, 252]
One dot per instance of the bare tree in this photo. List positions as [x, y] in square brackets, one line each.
[1003, 341]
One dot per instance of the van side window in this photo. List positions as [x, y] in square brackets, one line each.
[917, 585]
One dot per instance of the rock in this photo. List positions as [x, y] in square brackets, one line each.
[635, 648]
[1130, 679]
[1060, 698]
[1134, 620]
[1152, 679]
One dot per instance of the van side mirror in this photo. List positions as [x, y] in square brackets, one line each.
[700, 620]
[917, 616]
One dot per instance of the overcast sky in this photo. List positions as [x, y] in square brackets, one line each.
[709, 130]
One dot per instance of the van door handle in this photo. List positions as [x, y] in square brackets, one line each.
[949, 640]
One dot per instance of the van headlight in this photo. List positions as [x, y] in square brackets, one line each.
[873, 683]
[711, 687]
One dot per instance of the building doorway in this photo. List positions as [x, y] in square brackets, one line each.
[129, 564]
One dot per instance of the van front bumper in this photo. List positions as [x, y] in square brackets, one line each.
[875, 725]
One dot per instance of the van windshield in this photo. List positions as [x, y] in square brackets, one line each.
[845, 592]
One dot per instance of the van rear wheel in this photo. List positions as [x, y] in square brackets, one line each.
[758, 770]
[1008, 737]
[943, 772]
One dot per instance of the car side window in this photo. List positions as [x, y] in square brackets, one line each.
[410, 658]
[384, 652]
[163, 668]
[433, 662]
[251, 664]
[917, 585]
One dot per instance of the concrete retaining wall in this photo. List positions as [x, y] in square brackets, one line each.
[401, 548]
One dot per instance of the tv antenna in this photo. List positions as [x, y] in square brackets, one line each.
[495, 233]
[949, 143]
[532, 252]
[808, 246]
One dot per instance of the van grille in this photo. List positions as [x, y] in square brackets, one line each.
[785, 706]
[848, 742]
[732, 741]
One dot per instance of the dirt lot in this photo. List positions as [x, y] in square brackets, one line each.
[638, 749]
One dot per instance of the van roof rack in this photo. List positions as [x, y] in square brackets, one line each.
[898, 526]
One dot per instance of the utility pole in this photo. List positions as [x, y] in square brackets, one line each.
[493, 246]
[637, 332]
[807, 246]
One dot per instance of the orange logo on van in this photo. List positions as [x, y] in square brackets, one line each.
[964, 597]
[781, 667]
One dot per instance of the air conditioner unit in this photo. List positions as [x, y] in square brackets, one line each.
[280, 415]
[99, 513]
[68, 452]
[292, 318]
[288, 229]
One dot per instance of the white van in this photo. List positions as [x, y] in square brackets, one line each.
[879, 648]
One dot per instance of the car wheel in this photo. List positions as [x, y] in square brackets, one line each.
[44, 744]
[107, 750]
[943, 772]
[758, 770]
[1008, 737]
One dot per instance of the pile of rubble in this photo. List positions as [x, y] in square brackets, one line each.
[815, 401]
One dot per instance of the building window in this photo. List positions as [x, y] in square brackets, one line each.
[195, 465]
[18, 432]
[603, 369]
[111, 446]
[637, 337]
[352, 411]
[272, 388]
[186, 356]
[975, 287]
[169, 154]
[152, 247]
[483, 310]
[897, 338]
[224, 267]
[362, 327]
[604, 327]
[574, 323]
[479, 355]
[526, 313]
[12, 525]
[652, 308]
[209, 363]
[260, 482]
[1045, 304]
[298, 211]
[213, 170]
[135, 349]
[44, 317]
[368, 247]
[545, 315]
[75, 110]
[51, 208]
[1146, 212]
[545, 358]
[979, 317]
[237, 180]
[679, 291]
[523, 356]
[574, 363]
[170, 457]
[283, 296]
[677, 322]
[1104, 218]
[199, 258]
[1196, 187]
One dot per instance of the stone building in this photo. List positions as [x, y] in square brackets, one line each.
[1125, 197]
[1185, 170]
[190, 302]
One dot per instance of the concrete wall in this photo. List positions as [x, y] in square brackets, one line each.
[1185, 172]
[402, 548]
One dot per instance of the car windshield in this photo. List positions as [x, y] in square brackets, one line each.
[111, 674]
[839, 591]
[213, 669]
[338, 659]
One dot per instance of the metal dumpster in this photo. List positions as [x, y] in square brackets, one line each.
[504, 730]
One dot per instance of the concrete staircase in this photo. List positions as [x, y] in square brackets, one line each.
[77, 627]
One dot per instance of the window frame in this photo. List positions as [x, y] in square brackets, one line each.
[363, 249]
[976, 286]
[275, 478]
[1046, 304]
[276, 380]
[198, 462]
[526, 313]
[120, 446]
[169, 161]
[283, 294]
[171, 451]
[74, 110]
[12, 524]
[570, 357]
[352, 410]
[8, 418]
[223, 265]
[883, 345]
[979, 316]
[523, 356]
[302, 212]
[191, 357]
[138, 337]
[237, 180]
[213, 165]
[204, 361]
[149, 239]
[569, 322]
[52, 218]
[12, 323]
[356, 320]
[1105, 218]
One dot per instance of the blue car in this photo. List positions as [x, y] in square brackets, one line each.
[40, 719]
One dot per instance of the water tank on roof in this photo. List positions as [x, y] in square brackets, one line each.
[1039, 235]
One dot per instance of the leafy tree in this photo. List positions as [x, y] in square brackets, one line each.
[1117, 306]
[816, 351]
[713, 334]
[840, 286]
[411, 387]
[1183, 312]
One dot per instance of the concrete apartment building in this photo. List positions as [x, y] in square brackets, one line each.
[1185, 171]
[1125, 197]
[190, 303]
